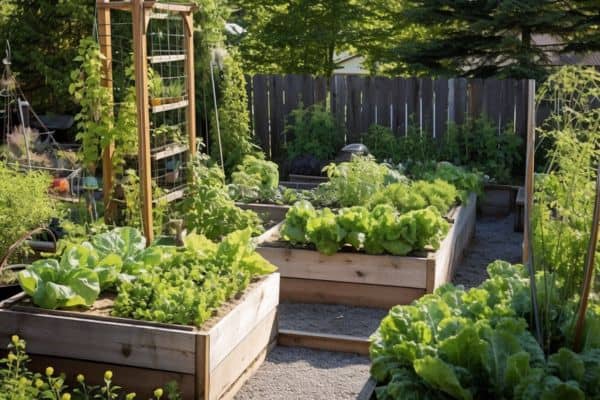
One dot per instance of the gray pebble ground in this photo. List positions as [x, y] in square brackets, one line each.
[298, 373]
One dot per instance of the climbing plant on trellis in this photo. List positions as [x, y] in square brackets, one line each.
[150, 43]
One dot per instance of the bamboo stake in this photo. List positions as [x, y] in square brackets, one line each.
[589, 269]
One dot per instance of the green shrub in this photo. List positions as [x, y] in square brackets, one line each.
[208, 209]
[478, 145]
[24, 204]
[313, 131]
[234, 118]
[382, 143]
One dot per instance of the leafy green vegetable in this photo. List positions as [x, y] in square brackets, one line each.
[208, 209]
[476, 344]
[191, 283]
[57, 285]
[324, 231]
[296, 219]
[381, 230]
[255, 179]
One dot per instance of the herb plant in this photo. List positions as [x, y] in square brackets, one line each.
[17, 382]
[353, 183]
[255, 179]
[24, 205]
[208, 209]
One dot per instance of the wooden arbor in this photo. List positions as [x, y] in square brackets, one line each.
[149, 154]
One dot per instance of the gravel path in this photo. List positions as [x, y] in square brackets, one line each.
[334, 319]
[293, 373]
[303, 374]
[494, 239]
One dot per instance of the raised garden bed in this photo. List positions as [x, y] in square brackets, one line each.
[208, 363]
[360, 279]
[270, 213]
[498, 200]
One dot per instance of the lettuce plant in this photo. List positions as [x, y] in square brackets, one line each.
[477, 344]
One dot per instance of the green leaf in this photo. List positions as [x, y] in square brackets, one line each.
[441, 376]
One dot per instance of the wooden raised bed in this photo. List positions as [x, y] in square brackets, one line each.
[498, 200]
[359, 279]
[268, 212]
[208, 364]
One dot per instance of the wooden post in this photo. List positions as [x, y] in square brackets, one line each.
[104, 37]
[529, 168]
[143, 117]
[188, 21]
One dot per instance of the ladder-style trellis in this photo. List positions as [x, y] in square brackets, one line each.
[163, 62]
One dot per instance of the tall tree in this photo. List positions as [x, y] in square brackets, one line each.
[44, 36]
[475, 38]
[297, 36]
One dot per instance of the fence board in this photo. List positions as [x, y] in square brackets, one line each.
[441, 106]
[261, 112]
[354, 106]
[358, 102]
[339, 98]
[398, 106]
[460, 100]
[383, 102]
[426, 106]
[276, 115]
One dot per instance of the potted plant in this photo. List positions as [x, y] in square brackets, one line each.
[155, 87]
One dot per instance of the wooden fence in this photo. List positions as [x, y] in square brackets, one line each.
[358, 102]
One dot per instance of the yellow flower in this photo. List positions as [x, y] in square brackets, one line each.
[65, 396]
[23, 381]
[39, 383]
[12, 357]
[80, 378]
[14, 339]
[158, 393]
[108, 375]
[130, 396]
[49, 371]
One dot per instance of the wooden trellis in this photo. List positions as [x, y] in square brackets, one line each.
[178, 57]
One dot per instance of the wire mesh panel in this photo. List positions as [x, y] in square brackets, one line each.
[151, 59]
[167, 83]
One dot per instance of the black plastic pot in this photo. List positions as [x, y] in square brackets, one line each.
[7, 291]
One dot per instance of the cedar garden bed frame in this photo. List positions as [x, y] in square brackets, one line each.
[359, 279]
[208, 364]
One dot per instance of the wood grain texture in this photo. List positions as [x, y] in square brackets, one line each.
[231, 330]
[225, 376]
[268, 212]
[324, 341]
[353, 294]
[101, 341]
[348, 267]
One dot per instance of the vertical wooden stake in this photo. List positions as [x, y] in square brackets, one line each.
[529, 169]
[104, 37]
[143, 116]
[188, 21]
